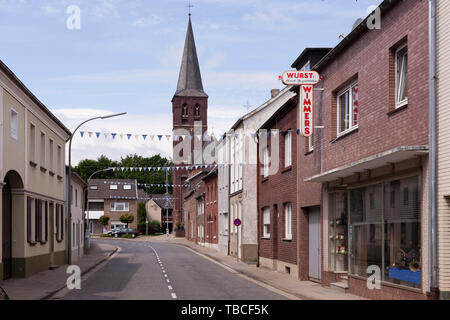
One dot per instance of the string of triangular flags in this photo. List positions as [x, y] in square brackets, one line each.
[139, 198]
[169, 137]
[146, 185]
[174, 168]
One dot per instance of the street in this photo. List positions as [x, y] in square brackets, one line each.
[159, 271]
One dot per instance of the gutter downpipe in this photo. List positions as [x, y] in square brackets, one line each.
[432, 211]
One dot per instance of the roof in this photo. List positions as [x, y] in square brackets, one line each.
[143, 196]
[385, 6]
[300, 61]
[261, 107]
[104, 191]
[190, 79]
[160, 200]
[30, 95]
[285, 108]
[210, 174]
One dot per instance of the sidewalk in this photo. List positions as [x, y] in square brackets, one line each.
[44, 284]
[305, 290]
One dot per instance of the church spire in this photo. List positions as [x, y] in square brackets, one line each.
[190, 79]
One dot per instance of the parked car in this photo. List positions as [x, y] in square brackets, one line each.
[116, 233]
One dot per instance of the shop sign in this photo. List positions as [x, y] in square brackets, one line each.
[298, 78]
[306, 110]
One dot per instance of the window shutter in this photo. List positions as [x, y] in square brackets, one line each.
[36, 221]
[29, 219]
[61, 211]
[46, 221]
[57, 222]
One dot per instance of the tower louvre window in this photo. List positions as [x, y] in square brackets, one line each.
[197, 113]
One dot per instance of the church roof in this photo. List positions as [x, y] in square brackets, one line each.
[190, 79]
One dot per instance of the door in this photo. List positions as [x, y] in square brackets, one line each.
[7, 231]
[314, 244]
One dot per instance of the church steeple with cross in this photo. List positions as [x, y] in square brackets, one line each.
[189, 110]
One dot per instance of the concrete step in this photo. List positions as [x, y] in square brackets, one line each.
[341, 286]
[344, 277]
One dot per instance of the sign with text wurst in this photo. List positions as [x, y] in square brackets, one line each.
[298, 78]
[306, 109]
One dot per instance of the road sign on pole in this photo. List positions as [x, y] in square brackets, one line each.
[237, 222]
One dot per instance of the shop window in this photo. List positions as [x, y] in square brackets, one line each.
[402, 247]
[365, 229]
[395, 221]
[347, 109]
[338, 232]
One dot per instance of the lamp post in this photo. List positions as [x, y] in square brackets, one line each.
[69, 177]
[87, 231]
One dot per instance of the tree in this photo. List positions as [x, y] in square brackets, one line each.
[103, 220]
[127, 219]
[142, 216]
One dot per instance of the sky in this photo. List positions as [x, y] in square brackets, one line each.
[127, 53]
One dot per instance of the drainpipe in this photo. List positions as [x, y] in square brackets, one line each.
[432, 212]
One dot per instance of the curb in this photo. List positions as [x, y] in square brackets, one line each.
[247, 274]
[3, 295]
[51, 294]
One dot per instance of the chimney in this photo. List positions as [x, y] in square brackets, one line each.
[274, 92]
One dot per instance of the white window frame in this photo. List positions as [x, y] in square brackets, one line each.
[398, 77]
[288, 149]
[350, 104]
[94, 187]
[288, 221]
[266, 161]
[113, 187]
[14, 121]
[310, 143]
[114, 205]
[266, 223]
[127, 187]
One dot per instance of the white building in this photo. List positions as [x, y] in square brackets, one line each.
[243, 176]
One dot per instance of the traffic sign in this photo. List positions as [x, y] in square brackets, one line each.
[237, 222]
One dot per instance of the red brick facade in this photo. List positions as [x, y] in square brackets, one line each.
[279, 190]
[211, 208]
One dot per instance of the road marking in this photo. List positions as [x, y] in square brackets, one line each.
[168, 281]
[174, 296]
[170, 288]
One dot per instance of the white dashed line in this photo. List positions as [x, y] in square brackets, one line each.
[174, 296]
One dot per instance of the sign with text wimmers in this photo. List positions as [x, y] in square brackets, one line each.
[306, 110]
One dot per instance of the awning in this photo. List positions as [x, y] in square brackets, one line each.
[391, 156]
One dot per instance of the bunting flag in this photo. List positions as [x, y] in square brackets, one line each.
[169, 169]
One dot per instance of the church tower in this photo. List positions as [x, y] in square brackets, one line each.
[189, 108]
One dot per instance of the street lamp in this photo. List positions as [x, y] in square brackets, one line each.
[87, 231]
[69, 177]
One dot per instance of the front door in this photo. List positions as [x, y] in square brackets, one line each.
[7, 231]
[314, 244]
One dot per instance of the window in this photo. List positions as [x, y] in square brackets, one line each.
[59, 222]
[76, 197]
[310, 143]
[127, 187]
[42, 149]
[113, 187]
[395, 221]
[120, 206]
[59, 160]
[266, 223]
[93, 187]
[401, 79]
[348, 109]
[288, 220]
[185, 112]
[50, 155]
[197, 111]
[31, 221]
[266, 162]
[288, 149]
[71, 195]
[306, 67]
[14, 125]
[32, 143]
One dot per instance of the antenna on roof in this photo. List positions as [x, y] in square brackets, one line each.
[341, 36]
[357, 23]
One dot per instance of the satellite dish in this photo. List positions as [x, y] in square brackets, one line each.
[357, 23]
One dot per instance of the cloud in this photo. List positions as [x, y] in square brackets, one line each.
[50, 10]
[148, 21]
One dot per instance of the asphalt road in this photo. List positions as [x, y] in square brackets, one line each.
[158, 271]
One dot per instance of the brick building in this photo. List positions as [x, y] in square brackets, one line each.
[371, 157]
[113, 198]
[194, 206]
[277, 191]
[211, 209]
